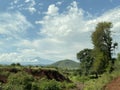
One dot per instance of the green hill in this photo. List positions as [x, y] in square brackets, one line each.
[66, 64]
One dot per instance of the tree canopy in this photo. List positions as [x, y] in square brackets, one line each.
[86, 60]
[99, 59]
[103, 47]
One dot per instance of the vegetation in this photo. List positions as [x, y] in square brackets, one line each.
[97, 68]
[34, 78]
[86, 60]
[99, 84]
[66, 64]
[103, 47]
[99, 60]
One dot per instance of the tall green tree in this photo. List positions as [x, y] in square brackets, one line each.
[103, 47]
[86, 60]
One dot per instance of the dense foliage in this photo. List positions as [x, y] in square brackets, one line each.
[86, 61]
[103, 47]
[17, 77]
[99, 59]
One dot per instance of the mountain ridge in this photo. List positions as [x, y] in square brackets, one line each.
[66, 64]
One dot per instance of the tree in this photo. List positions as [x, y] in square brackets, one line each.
[18, 64]
[103, 47]
[13, 64]
[86, 60]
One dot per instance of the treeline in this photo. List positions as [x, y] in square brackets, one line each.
[99, 59]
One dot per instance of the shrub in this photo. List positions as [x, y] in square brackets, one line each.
[35, 86]
[69, 85]
[50, 85]
[19, 81]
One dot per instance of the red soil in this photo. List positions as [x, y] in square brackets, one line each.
[114, 85]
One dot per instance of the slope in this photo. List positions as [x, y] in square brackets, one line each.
[66, 64]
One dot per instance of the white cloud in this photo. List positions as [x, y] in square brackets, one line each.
[23, 56]
[13, 28]
[15, 1]
[74, 29]
[59, 3]
[31, 7]
[13, 24]
[65, 33]
[28, 5]
[52, 10]
[27, 1]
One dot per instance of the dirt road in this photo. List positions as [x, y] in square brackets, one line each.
[113, 85]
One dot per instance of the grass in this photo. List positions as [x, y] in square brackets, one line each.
[98, 84]
[26, 80]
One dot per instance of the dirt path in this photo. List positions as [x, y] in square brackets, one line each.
[79, 86]
[114, 85]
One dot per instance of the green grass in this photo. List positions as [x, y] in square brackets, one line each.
[98, 84]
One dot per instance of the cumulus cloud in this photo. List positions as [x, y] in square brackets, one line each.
[13, 28]
[52, 10]
[65, 33]
[74, 21]
[13, 24]
[73, 27]
[63, 24]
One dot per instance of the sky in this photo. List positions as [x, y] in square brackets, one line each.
[52, 29]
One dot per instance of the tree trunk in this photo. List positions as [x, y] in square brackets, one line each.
[96, 75]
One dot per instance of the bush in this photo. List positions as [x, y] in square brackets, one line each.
[35, 86]
[50, 85]
[69, 85]
[19, 81]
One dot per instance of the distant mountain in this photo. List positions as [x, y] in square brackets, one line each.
[66, 64]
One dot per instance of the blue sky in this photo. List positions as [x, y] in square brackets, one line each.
[52, 29]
